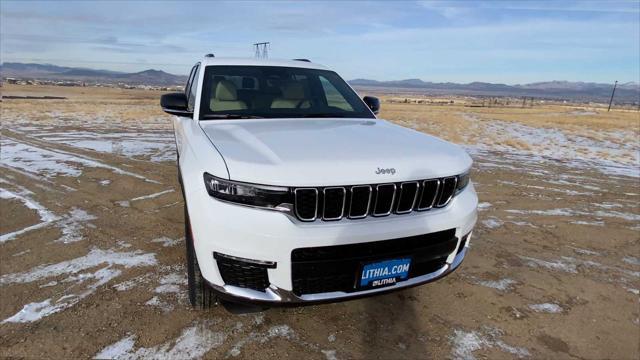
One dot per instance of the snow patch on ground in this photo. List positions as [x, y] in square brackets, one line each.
[465, 343]
[130, 284]
[585, 251]
[194, 342]
[615, 155]
[484, 206]
[492, 223]
[151, 196]
[590, 223]
[171, 283]
[51, 163]
[566, 264]
[71, 225]
[82, 283]
[166, 241]
[277, 331]
[546, 308]
[501, 285]
[154, 146]
[24, 196]
[330, 354]
[631, 260]
[632, 290]
[281, 331]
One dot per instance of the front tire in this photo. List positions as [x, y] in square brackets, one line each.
[201, 296]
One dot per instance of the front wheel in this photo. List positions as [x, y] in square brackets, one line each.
[201, 296]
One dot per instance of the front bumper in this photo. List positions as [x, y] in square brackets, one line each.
[277, 296]
[270, 236]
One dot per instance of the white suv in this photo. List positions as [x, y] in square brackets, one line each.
[296, 193]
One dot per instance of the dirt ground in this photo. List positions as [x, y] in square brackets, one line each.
[92, 244]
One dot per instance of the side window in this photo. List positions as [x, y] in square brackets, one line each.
[186, 87]
[193, 89]
[333, 96]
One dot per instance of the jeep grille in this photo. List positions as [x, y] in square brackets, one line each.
[360, 201]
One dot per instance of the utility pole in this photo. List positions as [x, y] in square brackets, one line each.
[612, 93]
[262, 50]
[524, 101]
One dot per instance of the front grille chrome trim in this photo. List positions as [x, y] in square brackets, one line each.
[295, 195]
[441, 203]
[366, 213]
[393, 198]
[415, 197]
[324, 205]
[435, 194]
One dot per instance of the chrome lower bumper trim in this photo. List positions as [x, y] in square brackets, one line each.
[275, 295]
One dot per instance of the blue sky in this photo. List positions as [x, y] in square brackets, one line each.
[459, 41]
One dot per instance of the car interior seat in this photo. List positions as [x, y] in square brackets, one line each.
[293, 97]
[226, 97]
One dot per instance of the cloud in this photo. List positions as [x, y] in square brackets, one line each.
[505, 41]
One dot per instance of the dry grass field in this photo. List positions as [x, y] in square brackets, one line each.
[92, 244]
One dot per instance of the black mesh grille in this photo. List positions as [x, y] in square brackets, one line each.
[360, 201]
[407, 197]
[306, 204]
[428, 194]
[242, 274]
[336, 268]
[446, 191]
[334, 201]
[385, 195]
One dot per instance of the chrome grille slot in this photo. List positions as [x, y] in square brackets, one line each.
[360, 201]
[429, 194]
[407, 197]
[447, 190]
[333, 203]
[306, 203]
[334, 199]
[385, 194]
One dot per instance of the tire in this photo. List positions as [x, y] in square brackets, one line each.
[201, 296]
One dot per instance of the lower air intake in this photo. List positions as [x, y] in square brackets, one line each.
[242, 274]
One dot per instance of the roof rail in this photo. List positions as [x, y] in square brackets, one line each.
[209, 55]
[305, 60]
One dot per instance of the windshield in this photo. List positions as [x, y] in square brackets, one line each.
[276, 92]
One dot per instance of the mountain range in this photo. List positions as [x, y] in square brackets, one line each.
[54, 72]
[580, 91]
[559, 90]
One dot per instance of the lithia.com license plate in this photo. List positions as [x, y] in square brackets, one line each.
[384, 273]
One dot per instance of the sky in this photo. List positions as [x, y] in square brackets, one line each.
[511, 42]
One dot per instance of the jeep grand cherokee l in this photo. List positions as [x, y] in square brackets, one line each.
[295, 192]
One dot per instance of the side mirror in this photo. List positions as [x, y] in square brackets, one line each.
[373, 103]
[175, 104]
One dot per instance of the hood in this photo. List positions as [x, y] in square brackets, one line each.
[323, 152]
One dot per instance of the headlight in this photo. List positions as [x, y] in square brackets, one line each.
[463, 181]
[268, 197]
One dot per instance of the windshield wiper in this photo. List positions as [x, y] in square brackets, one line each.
[230, 116]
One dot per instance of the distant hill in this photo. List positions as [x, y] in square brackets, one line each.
[54, 72]
[562, 90]
[559, 90]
